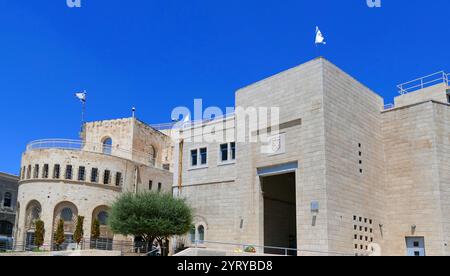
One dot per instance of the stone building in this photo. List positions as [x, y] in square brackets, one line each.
[348, 175]
[343, 174]
[61, 179]
[8, 202]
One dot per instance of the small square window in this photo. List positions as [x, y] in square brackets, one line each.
[354, 218]
[356, 237]
[370, 221]
[416, 244]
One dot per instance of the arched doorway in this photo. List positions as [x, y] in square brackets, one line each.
[105, 239]
[32, 214]
[68, 213]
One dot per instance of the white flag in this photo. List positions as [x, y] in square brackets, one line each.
[187, 119]
[319, 37]
[81, 96]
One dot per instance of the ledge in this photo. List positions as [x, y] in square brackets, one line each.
[72, 182]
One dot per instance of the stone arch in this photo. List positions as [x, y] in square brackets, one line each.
[105, 241]
[153, 155]
[33, 213]
[68, 212]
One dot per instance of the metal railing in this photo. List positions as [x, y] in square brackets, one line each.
[271, 250]
[181, 125]
[424, 82]
[389, 106]
[125, 247]
[78, 145]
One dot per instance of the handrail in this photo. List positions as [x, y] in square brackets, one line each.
[177, 125]
[79, 145]
[263, 247]
[423, 82]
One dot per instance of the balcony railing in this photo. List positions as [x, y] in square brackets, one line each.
[182, 125]
[77, 145]
[424, 82]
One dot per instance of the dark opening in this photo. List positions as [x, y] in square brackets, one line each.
[280, 222]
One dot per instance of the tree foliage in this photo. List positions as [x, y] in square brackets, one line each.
[95, 229]
[79, 233]
[150, 216]
[39, 234]
[59, 235]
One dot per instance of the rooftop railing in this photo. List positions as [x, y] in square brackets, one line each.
[424, 82]
[78, 145]
[182, 125]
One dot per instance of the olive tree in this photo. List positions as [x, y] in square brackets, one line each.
[152, 216]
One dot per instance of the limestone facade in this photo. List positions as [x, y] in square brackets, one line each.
[8, 203]
[61, 179]
[378, 177]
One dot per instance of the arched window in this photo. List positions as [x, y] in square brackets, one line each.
[7, 200]
[192, 234]
[201, 233]
[107, 146]
[103, 218]
[67, 215]
[152, 155]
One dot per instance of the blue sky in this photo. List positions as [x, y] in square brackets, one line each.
[157, 55]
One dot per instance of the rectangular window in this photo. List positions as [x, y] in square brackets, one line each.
[150, 185]
[224, 152]
[57, 171]
[194, 158]
[166, 167]
[159, 187]
[81, 173]
[69, 172]
[106, 177]
[118, 179]
[233, 150]
[45, 171]
[94, 175]
[29, 172]
[36, 171]
[203, 156]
